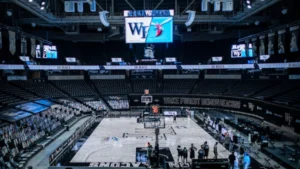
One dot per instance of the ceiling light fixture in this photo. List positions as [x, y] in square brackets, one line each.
[284, 11]
[9, 13]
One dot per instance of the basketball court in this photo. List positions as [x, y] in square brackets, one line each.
[122, 139]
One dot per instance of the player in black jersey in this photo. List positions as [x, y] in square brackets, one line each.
[180, 153]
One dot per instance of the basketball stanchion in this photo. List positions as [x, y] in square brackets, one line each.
[153, 120]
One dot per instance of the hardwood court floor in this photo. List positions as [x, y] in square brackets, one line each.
[116, 140]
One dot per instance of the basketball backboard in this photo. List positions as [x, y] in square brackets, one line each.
[154, 121]
[146, 97]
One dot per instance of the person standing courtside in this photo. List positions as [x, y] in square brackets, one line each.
[201, 153]
[231, 160]
[216, 150]
[180, 153]
[149, 153]
[192, 151]
[174, 118]
[185, 154]
[206, 150]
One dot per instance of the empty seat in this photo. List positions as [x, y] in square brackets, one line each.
[178, 86]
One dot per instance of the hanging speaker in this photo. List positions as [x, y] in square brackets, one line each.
[103, 18]
[191, 17]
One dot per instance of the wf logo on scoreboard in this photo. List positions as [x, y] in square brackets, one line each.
[149, 30]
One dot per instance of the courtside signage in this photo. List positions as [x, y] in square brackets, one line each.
[149, 30]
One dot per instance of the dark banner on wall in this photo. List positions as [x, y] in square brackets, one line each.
[23, 45]
[254, 43]
[12, 42]
[273, 113]
[0, 39]
[33, 47]
[281, 41]
[271, 42]
[262, 48]
[294, 35]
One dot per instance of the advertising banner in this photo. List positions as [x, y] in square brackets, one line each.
[271, 41]
[294, 35]
[262, 48]
[281, 41]
[12, 42]
[276, 114]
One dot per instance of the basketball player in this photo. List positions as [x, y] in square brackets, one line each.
[185, 154]
[201, 153]
[206, 150]
[216, 150]
[174, 118]
[231, 160]
[180, 153]
[149, 153]
[192, 152]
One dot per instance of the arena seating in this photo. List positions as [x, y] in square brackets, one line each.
[107, 87]
[41, 88]
[74, 87]
[140, 85]
[15, 92]
[284, 86]
[291, 97]
[6, 99]
[119, 104]
[178, 85]
[249, 87]
[213, 86]
[21, 137]
[74, 104]
[98, 105]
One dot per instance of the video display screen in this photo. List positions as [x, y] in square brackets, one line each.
[44, 102]
[13, 115]
[32, 107]
[149, 29]
[48, 52]
[170, 113]
[250, 50]
[238, 51]
[242, 50]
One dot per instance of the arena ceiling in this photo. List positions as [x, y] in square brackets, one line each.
[208, 26]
